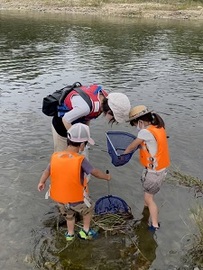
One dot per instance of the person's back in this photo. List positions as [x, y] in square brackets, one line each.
[67, 177]
[68, 186]
[115, 106]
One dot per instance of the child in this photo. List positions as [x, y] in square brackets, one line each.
[154, 155]
[68, 185]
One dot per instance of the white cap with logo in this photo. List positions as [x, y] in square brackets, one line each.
[79, 133]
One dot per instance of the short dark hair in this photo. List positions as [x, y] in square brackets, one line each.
[75, 144]
[107, 110]
[105, 106]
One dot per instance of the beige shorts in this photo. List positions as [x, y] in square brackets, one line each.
[152, 181]
[60, 143]
[69, 211]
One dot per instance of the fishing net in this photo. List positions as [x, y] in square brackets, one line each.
[112, 214]
[117, 142]
[112, 205]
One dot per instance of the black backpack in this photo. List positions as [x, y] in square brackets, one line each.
[50, 102]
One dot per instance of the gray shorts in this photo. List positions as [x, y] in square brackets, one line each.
[69, 211]
[152, 181]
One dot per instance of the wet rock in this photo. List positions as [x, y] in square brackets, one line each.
[171, 267]
[185, 267]
[201, 48]
[49, 265]
[28, 259]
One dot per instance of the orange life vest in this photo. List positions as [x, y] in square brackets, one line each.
[162, 158]
[65, 174]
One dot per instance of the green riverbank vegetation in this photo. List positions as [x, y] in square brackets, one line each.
[169, 9]
[195, 251]
[178, 177]
[181, 4]
[148, 4]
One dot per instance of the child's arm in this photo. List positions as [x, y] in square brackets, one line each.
[89, 169]
[43, 179]
[131, 147]
[101, 175]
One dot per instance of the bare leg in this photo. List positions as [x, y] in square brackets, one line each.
[71, 226]
[153, 209]
[86, 222]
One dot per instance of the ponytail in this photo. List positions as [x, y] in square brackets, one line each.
[157, 120]
[154, 118]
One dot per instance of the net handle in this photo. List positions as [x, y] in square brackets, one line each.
[107, 172]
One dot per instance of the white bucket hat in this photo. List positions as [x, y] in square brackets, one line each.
[120, 106]
[137, 111]
[79, 133]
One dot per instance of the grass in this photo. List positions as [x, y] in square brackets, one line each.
[98, 3]
[178, 177]
[195, 253]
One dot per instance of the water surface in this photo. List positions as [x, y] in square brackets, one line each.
[156, 63]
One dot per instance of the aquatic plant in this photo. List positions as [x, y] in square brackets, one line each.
[178, 177]
[119, 245]
[194, 255]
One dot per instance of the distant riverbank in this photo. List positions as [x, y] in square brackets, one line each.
[94, 7]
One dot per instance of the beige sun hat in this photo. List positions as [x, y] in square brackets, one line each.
[119, 103]
[137, 111]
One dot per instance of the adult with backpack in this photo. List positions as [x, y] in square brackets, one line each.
[81, 104]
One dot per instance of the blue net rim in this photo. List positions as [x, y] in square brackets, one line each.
[111, 204]
[116, 158]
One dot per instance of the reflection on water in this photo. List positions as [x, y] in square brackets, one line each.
[146, 240]
[157, 63]
[134, 248]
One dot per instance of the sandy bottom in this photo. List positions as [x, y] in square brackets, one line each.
[146, 10]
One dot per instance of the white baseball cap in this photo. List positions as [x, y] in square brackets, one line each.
[120, 105]
[79, 133]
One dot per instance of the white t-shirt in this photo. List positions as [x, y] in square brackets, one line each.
[149, 139]
[151, 144]
[80, 109]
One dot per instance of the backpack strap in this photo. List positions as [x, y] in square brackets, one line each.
[85, 97]
[66, 90]
[76, 88]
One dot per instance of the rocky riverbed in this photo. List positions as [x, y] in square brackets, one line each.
[146, 10]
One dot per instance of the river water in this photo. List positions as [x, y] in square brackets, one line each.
[156, 63]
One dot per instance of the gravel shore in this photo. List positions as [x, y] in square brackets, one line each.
[145, 10]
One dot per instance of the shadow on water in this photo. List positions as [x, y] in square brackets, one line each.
[134, 248]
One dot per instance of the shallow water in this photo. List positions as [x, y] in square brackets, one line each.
[157, 63]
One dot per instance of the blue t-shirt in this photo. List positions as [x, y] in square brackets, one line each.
[86, 169]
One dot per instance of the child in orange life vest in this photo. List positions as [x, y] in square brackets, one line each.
[68, 184]
[154, 155]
